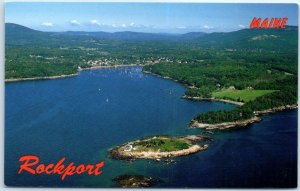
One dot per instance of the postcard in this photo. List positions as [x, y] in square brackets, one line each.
[156, 95]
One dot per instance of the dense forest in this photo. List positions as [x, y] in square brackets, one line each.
[256, 59]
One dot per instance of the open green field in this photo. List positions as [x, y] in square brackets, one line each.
[240, 95]
[164, 144]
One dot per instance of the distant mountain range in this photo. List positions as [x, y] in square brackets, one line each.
[19, 31]
[252, 38]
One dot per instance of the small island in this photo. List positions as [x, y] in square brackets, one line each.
[158, 147]
[135, 181]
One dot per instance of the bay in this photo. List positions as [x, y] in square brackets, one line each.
[81, 117]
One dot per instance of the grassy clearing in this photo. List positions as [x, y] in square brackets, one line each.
[240, 95]
[163, 144]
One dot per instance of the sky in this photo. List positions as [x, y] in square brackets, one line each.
[144, 17]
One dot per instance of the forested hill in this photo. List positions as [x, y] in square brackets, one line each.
[271, 39]
[32, 53]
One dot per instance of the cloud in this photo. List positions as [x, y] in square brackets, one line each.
[95, 22]
[114, 25]
[242, 26]
[181, 27]
[132, 24]
[135, 25]
[75, 23]
[47, 24]
[207, 27]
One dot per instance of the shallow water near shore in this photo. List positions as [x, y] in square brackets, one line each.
[80, 118]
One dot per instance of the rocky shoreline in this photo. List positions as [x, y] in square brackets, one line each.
[242, 123]
[276, 109]
[225, 125]
[122, 153]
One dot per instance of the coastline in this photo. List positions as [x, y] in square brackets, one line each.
[41, 78]
[197, 98]
[214, 99]
[164, 77]
[242, 123]
[67, 75]
[110, 66]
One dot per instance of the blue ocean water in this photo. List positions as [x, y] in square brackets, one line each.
[80, 118]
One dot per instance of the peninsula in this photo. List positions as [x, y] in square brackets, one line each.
[240, 123]
[260, 90]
